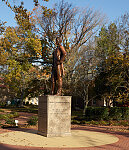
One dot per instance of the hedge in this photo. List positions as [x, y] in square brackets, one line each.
[115, 113]
[96, 113]
[125, 113]
[104, 113]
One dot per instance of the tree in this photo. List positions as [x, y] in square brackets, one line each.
[2, 53]
[2, 27]
[83, 76]
[75, 27]
[36, 2]
[112, 81]
[18, 46]
[123, 27]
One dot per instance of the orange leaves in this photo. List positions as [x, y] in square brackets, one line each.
[34, 8]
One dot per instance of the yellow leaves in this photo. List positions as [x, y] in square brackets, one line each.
[122, 97]
[22, 18]
[11, 35]
[34, 46]
[3, 59]
[3, 53]
[38, 47]
[27, 55]
[117, 60]
[6, 44]
[17, 73]
[12, 64]
[117, 75]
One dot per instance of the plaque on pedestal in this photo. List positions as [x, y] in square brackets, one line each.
[54, 115]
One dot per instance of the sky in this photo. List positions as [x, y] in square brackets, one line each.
[111, 8]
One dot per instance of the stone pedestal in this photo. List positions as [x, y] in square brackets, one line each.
[54, 115]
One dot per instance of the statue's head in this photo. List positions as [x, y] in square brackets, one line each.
[58, 40]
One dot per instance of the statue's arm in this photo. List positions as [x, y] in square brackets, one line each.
[63, 54]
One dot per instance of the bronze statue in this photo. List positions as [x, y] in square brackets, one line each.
[59, 55]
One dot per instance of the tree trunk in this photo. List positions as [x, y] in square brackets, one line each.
[86, 100]
[21, 100]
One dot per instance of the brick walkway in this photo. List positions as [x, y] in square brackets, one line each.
[122, 144]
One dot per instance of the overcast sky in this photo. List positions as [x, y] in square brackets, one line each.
[112, 8]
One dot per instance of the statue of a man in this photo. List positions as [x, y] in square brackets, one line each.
[59, 55]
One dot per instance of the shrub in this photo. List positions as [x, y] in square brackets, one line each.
[10, 115]
[3, 116]
[89, 113]
[33, 121]
[110, 122]
[15, 114]
[97, 113]
[94, 122]
[75, 122]
[1, 110]
[10, 121]
[124, 123]
[80, 118]
[83, 122]
[104, 113]
[115, 113]
[103, 122]
[2, 104]
[125, 113]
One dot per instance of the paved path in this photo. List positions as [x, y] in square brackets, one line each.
[122, 144]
